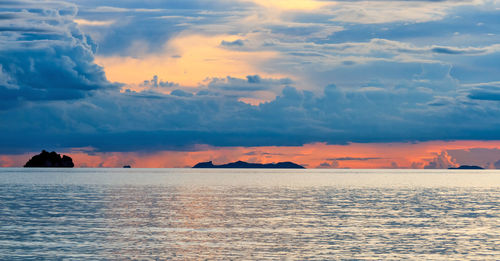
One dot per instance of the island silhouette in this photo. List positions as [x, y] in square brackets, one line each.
[246, 165]
[49, 160]
[467, 167]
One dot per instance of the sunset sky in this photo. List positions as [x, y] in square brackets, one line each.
[325, 84]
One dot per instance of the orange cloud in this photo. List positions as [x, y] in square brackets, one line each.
[356, 155]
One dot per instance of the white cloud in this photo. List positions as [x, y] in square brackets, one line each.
[377, 12]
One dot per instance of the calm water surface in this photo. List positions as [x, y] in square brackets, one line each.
[117, 214]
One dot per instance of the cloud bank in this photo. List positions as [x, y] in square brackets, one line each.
[320, 76]
[44, 56]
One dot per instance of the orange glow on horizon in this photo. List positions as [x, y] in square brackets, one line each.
[317, 155]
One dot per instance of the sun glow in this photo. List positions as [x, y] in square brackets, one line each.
[187, 60]
[316, 155]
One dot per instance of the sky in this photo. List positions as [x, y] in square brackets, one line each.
[326, 84]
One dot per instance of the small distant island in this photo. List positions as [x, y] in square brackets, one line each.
[49, 160]
[246, 165]
[467, 167]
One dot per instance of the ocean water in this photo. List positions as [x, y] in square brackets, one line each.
[186, 214]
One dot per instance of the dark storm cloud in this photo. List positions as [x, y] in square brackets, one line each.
[145, 121]
[44, 56]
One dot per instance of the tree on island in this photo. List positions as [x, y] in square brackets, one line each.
[49, 160]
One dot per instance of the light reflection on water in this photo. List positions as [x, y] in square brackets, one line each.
[188, 214]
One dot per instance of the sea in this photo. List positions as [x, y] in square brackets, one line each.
[245, 214]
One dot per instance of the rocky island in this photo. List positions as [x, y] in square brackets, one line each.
[467, 167]
[49, 160]
[246, 165]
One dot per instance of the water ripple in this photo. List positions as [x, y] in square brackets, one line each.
[147, 222]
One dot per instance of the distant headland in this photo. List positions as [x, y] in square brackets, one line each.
[49, 160]
[467, 167]
[246, 165]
